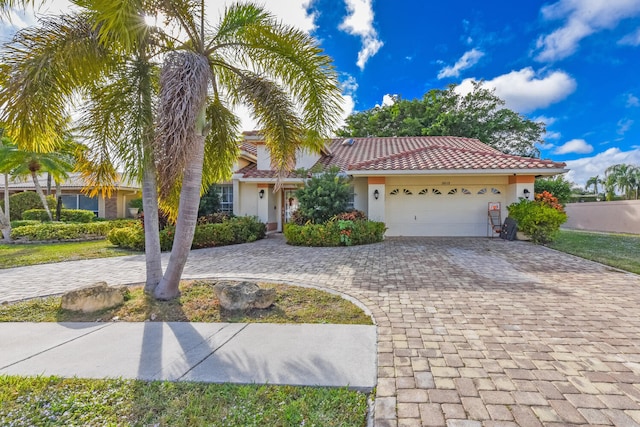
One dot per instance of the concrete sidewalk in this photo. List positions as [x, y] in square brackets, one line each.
[311, 355]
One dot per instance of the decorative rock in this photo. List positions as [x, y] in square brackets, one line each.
[243, 296]
[98, 296]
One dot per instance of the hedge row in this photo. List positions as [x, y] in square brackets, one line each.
[335, 233]
[66, 215]
[60, 231]
[229, 232]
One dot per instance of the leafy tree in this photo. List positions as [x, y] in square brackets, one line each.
[324, 196]
[209, 202]
[556, 185]
[479, 114]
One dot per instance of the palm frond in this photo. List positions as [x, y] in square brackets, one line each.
[221, 144]
[42, 69]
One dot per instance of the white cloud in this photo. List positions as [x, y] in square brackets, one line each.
[525, 90]
[388, 99]
[586, 167]
[359, 22]
[632, 101]
[579, 146]
[548, 121]
[581, 18]
[468, 60]
[550, 134]
[623, 126]
[632, 39]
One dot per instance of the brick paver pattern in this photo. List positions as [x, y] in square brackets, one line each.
[471, 331]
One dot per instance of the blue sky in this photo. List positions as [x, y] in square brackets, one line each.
[573, 64]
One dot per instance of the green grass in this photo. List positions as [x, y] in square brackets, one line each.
[198, 303]
[617, 250]
[52, 401]
[16, 255]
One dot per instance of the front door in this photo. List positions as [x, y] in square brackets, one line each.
[290, 204]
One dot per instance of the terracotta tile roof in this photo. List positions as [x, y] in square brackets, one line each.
[251, 171]
[416, 153]
[425, 153]
[249, 147]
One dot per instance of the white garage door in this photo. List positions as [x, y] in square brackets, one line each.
[440, 210]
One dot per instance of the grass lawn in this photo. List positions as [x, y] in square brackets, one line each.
[52, 401]
[198, 303]
[16, 255]
[617, 250]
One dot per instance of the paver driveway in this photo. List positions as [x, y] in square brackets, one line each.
[471, 331]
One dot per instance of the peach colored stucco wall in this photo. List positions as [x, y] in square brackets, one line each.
[619, 217]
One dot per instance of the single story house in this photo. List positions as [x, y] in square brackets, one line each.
[112, 207]
[418, 186]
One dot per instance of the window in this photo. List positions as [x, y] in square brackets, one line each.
[352, 199]
[80, 201]
[226, 197]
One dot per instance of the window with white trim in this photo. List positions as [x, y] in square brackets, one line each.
[225, 192]
[80, 201]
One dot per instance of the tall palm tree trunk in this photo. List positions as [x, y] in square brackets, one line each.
[152, 251]
[5, 217]
[43, 198]
[185, 224]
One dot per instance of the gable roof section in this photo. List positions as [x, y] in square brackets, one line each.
[419, 153]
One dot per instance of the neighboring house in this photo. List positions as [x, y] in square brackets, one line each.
[73, 198]
[419, 186]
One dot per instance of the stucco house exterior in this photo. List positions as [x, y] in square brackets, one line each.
[418, 186]
[73, 197]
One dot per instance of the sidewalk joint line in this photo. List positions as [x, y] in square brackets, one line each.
[56, 346]
[213, 352]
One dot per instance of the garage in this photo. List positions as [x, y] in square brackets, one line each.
[455, 210]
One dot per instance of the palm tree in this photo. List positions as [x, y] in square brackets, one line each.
[249, 58]
[623, 177]
[103, 55]
[593, 182]
[19, 163]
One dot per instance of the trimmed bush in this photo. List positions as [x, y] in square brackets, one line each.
[335, 233]
[20, 202]
[537, 220]
[66, 215]
[61, 231]
[231, 231]
[23, 222]
[131, 237]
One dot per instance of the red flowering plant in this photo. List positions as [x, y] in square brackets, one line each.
[548, 199]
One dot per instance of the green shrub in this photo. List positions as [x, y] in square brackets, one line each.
[23, 222]
[20, 202]
[231, 231]
[131, 237]
[60, 231]
[335, 233]
[537, 220]
[323, 196]
[66, 215]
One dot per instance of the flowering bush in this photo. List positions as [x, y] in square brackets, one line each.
[539, 219]
[550, 200]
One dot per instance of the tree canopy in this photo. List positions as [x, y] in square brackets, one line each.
[479, 114]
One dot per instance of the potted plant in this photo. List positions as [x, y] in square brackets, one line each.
[135, 205]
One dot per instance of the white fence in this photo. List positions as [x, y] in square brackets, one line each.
[617, 217]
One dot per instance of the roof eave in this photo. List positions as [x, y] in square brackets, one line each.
[536, 171]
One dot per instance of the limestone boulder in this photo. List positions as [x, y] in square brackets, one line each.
[88, 299]
[243, 296]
